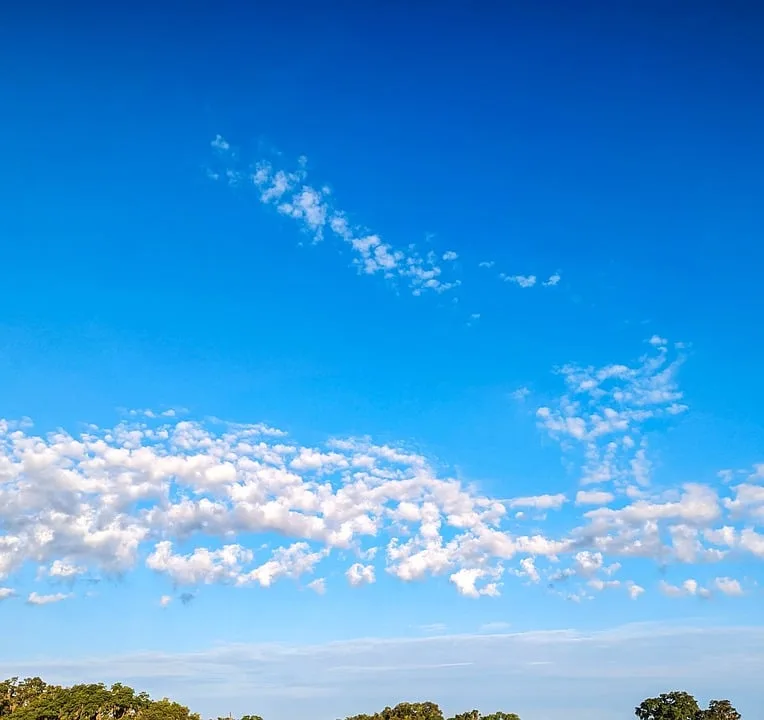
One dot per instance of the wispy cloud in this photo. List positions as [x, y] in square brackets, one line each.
[315, 212]
[633, 661]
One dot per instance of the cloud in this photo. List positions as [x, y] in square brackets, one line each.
[6, 593]
[486, 264]
[728, 586]
[165, 600]
[359, 574]
[553, 280]
[520, 394]
[688, 587]
[539, 502]
[605, 410]
[315, 212]
[318, 586]
[37, 599]
[552, 674]
[594, 497]
[193, 501]
[523, 281]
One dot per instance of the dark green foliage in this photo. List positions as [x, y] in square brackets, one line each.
[683, 706]
[34, 699]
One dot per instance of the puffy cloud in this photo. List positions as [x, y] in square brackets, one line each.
[245, 505]
[359, 574]
[689, 587]
[728, 586]
[466, 580]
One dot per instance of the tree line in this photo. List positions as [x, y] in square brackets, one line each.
[34, 699]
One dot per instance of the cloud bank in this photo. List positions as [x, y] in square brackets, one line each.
[107, 499]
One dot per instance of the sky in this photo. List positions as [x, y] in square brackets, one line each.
[369, 352]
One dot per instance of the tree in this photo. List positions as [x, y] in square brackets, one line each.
[668, 706]
[719, 710]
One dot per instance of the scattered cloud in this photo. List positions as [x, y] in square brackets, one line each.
[520, 394]
[182, 497]
[165, 600]
[315, 212]
[318, 586]
[359, 574]
[523, 281]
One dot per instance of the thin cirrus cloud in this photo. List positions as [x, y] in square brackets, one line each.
[108, 500]
[455, 668]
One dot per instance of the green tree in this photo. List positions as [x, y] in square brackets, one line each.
[166, 710]
[674, 705]
[719, 710]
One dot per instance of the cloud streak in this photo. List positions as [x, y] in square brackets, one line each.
[544, 674]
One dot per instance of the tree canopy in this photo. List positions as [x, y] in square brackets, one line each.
[679, 705]
[34, 699]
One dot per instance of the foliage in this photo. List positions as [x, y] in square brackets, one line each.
[683, 706]
[34, 699]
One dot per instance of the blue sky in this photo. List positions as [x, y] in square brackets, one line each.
[383, 330]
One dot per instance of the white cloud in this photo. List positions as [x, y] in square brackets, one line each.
[486, 264]
[520, 394]
[61, 569]
[220, 143]
[689, 587]
[359, 574]
[594, 497]
[188, 500]
[728, 586]
[316, 214]
[466, 581]
[602, 416]
[165, 600]
[6, 593]
[318, 586]
[37, 599]
[523, 281]
[539, 502]
[553, 280]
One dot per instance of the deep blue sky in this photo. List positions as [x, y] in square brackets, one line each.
[618, 145]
